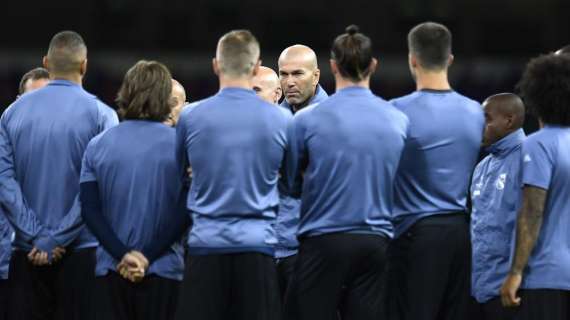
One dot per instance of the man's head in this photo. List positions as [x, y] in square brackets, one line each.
[504, 113]
[429, 46]
[179, 100]
[237, 55]
[545, 88]
[67, 55]
[146, 92]
[563, 50]
[33, 79]
[266, 85]
[299, 74]
[351, 55]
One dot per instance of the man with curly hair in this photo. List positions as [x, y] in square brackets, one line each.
[539, 277]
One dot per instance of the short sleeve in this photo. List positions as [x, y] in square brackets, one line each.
[107, 117]
[537, 164]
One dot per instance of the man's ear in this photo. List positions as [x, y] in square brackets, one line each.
[373, 66]
[450, 60]
[510, 121]
[215, 66]
[83, 67]
[256, 68]
[413, 60]
[317, 76]
[334, 66]
[278, 94]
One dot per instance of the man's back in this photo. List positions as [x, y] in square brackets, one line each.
[49, 130]
[353, 141]
[135, 169]
[235, 144]
[442, 147]
[546, 165]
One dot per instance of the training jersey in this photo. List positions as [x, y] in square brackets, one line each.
[235, 144]
[546, 165]
[42, 139]
[444, 139]
[347, 149]
[496, 192]
[134, 165]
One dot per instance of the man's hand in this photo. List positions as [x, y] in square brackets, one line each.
[57, 253]
[41, 258]
[133, 266]
[38, 257]
[509, 290]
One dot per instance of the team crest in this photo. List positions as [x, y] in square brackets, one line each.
[500, 184]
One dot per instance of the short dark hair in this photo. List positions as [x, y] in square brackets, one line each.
[34, 74]
[352, 52]
[430, 42]
[238, 52]
[66, 52]
[564, 50]
[545, 88]
[145, 93]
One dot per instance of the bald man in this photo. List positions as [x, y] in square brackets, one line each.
[496, 194]
[266, 85]
[299, 76]
[179, 96]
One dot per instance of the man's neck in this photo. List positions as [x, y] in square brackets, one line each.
[227, 82]
[342, 83]
[434, 80]
[75, 78]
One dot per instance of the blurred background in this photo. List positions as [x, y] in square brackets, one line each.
[492, 40]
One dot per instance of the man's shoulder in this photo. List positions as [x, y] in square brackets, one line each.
[403, 101]
[195, 107]
[540, 136]
[320, 95]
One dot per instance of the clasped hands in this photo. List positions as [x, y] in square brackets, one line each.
[133, 266]
[41, 258]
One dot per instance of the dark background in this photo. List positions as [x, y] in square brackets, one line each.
[492, 40]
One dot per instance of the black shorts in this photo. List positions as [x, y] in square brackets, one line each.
[430, 270]
[285, 269]
[119, 299]
[4, 294]
[543, 304]
[61, 291]
[240, 286]
[338, 273]
[491, 310]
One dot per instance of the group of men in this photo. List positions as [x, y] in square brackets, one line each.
[252, 192]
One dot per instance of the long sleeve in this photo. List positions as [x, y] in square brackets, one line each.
[22, 218]
[91, 211]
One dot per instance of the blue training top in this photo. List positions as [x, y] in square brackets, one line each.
[235, 143]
